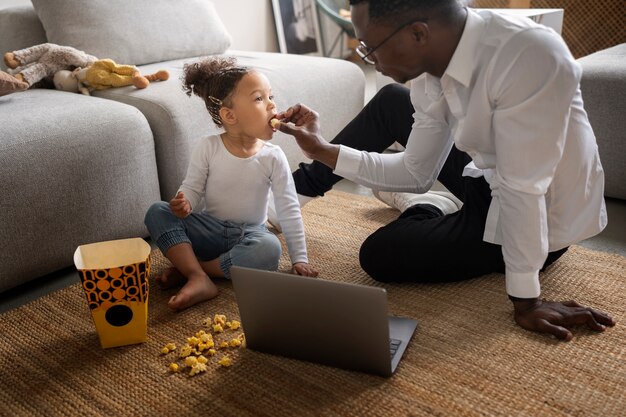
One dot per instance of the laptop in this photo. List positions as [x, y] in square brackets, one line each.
[332, 323]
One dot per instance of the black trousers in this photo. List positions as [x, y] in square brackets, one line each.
[422, 245]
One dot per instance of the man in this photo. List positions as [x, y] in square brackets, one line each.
[494, 112]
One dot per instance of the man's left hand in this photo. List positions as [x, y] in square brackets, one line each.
[555, 317]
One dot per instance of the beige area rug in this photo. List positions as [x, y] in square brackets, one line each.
[468, 358]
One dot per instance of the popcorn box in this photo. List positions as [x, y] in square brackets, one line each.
[114, 275]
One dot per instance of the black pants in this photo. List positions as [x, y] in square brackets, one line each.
[422, 245]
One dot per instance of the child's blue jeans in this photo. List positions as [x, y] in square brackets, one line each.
[211, 238]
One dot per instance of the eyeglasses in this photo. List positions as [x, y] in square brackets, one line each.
[365, 51]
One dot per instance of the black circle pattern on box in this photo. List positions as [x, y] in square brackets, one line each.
[113, 285]
[118, 315]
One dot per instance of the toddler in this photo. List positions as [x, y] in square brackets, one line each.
[234, 172]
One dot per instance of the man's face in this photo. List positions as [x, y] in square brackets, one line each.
[400, 56]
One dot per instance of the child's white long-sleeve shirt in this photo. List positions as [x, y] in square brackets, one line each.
[237, 189]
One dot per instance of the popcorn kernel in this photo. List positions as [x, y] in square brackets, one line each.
[173, 367]
[225, 361]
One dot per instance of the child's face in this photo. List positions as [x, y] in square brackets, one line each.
[253, 104]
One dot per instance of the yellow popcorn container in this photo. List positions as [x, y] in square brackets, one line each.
[114, 275]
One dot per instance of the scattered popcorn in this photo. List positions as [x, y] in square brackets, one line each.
[225, 361]
[203, 342]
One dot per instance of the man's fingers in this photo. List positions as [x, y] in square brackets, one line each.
[602, 318]
[571, 303]
[562, 333]
[288, 128]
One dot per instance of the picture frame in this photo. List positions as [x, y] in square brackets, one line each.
[297, 27]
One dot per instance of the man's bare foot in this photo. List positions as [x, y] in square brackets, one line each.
[170, 278]
[197, 289]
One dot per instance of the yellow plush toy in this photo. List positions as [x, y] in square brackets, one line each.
[105, 73]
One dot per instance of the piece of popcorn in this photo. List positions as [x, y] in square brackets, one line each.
[185, 351]
[217, 328]
[212, 352]
[225, 361]
[165, 351]
[234, 325]
[219, 319]
[275, 123]
[173, 367]
[202, 359]
[197, 368]
[235, 343]
[207, 322]
[193, 341]
[223, 345]
[200, 333]
[206, 338]
[191, 360]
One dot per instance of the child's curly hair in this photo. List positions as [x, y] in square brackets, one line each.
[213, 80]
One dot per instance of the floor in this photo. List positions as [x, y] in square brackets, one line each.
[612, 239]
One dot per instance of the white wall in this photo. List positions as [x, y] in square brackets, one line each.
[250, 23]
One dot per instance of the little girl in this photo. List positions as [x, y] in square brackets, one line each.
[234, 173]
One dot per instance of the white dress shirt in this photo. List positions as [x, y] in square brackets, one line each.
[510, 98]
[237, 189]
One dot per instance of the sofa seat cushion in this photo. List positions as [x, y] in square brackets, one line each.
[74, 170]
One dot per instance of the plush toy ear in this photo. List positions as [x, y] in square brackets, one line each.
[64, 80]
[9, 84]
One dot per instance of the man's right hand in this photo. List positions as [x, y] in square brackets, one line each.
[180, 205]
[303, 124]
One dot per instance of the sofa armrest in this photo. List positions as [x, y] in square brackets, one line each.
[603, 87]
[19, 28]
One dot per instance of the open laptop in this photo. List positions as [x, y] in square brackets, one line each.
[328, 322]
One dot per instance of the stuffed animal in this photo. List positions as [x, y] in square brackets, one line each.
[33, 64]
[103, 74]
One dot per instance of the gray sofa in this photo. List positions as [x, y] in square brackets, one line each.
[77, 169]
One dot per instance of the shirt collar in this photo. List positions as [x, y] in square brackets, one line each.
[464, 59]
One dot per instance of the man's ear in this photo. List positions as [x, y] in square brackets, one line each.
[228, 116]
[421, 32]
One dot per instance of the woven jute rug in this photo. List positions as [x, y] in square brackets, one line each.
[467, 358]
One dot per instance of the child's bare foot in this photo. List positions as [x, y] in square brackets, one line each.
[170, 278]
[198, 288]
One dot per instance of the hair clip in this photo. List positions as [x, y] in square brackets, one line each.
[215, 101]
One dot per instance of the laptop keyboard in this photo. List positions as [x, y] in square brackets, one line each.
[393, 346]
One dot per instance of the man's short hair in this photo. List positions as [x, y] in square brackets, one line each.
[392, 10]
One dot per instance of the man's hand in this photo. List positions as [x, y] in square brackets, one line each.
[303, 124]
[554, 317]
[180, 205]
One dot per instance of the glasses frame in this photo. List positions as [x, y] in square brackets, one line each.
[365, 51]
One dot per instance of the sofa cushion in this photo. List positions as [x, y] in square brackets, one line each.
[135, 32]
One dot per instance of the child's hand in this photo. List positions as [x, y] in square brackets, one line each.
[180, 205]
[302, 268]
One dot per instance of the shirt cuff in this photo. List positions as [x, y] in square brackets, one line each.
[523, 284]
[348, 162]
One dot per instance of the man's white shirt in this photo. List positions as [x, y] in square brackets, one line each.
[511, 99]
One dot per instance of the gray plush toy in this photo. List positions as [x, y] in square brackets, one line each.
[41, 61]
